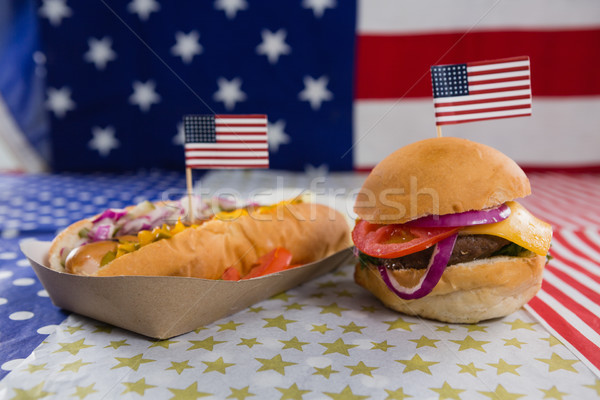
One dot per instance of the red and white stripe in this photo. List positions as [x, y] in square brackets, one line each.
[241, 142]
[497, 89]
[568, 304]
[398, 41]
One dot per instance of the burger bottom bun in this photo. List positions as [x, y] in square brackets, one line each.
[466, 293]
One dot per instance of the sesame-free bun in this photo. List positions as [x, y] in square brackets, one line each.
[467, 292]
[439, 176]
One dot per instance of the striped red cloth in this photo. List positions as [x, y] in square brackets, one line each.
[398, 41]
[569, 302]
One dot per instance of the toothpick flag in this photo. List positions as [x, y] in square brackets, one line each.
[482, 90]
[226, 141]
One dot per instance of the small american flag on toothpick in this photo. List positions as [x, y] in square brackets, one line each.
[223, 141]
[226, 141]
[477, 91]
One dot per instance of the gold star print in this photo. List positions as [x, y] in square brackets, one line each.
[199, 329]
[115, 344]
[179, 367]
[595, 386]
[326, 371]
[36, 392]
[73, 329]
[345, 394]
[333, 308]
[361, 369]
[325, 285]
[399, 323]
[293, 343]
[218, 366]
[317, 295]
[292, 393]
[370, 309]
[502, 367]
[132, 362]
[338, 347]
[556, 362]
[553, 393]
[501, 393]
[189, 393]
[424, 341]
[83, 391]
[518, 324]
[475, 328]
[256, 309]
[444, 328]
[240, 394]
[352, 327]
[470, 343]
[552, 340]
[447, 392]
[383, 346]
[276, 364]
[278, 322]
[248, 342]
[232, 326]
[102, 329]
[320, 328]
[513, 342]
[281, 296]
[138, 387]
[397, 394]
[469, 369]
[294, 306]
[31, 368]
[206, 344]
[344, 293]
[163, 343]
[74, 347]
[417, 364]
[339, 272]
[74, 366]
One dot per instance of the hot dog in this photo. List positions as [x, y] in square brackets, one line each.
[155, 240]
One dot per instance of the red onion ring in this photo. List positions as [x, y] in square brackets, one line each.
[473, 217]
[437, 264]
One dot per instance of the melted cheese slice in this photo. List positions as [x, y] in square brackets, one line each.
[521, 227]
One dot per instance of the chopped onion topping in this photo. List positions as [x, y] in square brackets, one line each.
[112, 214]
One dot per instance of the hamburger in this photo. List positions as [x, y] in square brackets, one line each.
[440, 235]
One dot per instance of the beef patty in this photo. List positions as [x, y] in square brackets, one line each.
[467, 248]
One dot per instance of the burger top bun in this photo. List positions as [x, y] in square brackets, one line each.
[438, 176]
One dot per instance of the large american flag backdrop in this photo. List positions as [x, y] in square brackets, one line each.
[344, 83]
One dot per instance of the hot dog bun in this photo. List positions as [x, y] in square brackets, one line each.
[309, 231]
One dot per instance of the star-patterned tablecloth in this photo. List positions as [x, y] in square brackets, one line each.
[325, 339]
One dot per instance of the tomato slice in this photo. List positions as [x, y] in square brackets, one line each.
[231, 274]
[275, 261]
[396, 240]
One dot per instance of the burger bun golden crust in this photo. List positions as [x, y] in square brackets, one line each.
[439, 176]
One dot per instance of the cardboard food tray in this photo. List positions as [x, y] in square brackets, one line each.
[164, 306]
